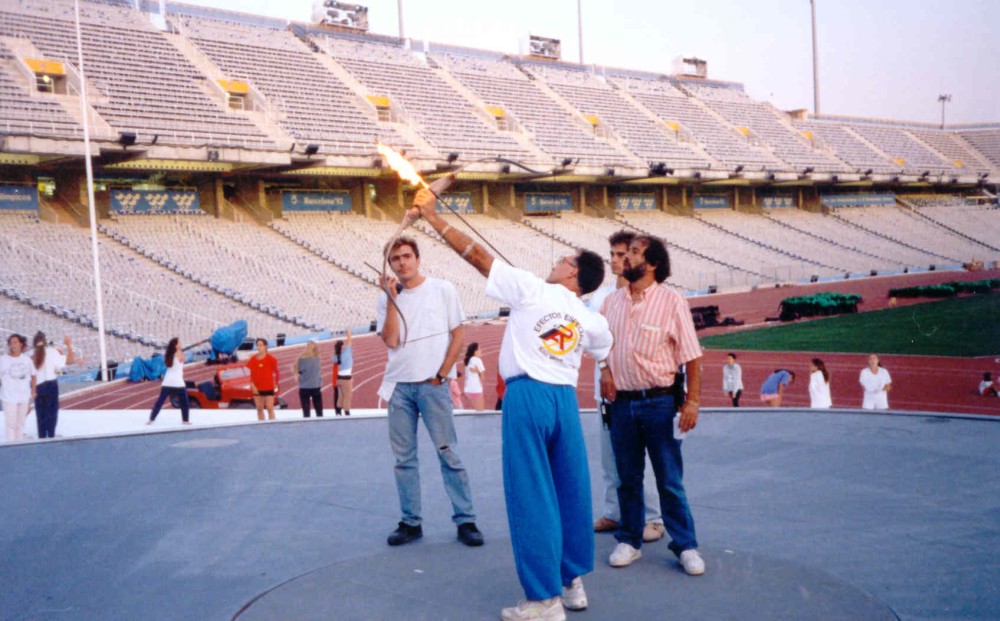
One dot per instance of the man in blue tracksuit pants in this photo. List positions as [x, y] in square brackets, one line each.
[546, 477]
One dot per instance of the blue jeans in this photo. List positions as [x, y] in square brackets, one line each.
[638, 426]
[47, 408]
[432, 403]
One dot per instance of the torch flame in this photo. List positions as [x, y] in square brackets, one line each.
[401, 165]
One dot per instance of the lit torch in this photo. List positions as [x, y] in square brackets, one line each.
[408, 173]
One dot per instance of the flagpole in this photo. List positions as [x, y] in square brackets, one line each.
[102, 344]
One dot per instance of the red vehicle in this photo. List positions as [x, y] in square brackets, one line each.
[229, 388]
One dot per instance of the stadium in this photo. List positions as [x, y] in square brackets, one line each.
[189, 167]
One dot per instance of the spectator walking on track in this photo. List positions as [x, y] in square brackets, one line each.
[48, 360]
[546, 478]
[173, 383]
[309, 370]
[17, 386]
[343, 388]
[264, 379]
[819, 385]
[422, 356]
[732, 380]
[875, 384]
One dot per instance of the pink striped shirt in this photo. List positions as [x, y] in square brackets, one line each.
[652, 336]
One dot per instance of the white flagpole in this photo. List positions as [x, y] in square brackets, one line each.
[90, 199]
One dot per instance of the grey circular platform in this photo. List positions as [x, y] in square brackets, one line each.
[445, 581]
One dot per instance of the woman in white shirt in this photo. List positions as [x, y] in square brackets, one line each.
[17, 386]
[173, 382]
[48, 361]
[819, 385]
[876, 383]
[474, 372]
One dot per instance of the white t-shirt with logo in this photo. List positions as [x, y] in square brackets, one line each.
[473, 384]
[54, 362]
[548, 330]
[432, 311]
[875, 398]
[15, 378]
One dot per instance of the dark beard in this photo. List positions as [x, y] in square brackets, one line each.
[633, 274]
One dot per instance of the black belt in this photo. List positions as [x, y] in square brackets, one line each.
[648, 393]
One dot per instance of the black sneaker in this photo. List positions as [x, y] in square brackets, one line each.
[405, 534]
[470, 535]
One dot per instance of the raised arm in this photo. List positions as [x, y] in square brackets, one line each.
[473, 253]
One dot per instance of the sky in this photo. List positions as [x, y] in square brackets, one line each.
[877, 58]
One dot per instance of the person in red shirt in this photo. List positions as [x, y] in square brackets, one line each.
[264, 379]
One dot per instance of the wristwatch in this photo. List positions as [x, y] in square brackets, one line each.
[440, 378]
[602, 364]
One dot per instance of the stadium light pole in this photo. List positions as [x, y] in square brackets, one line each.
[399, 10]
[579, 26]
[812, 4]
[943, 99]
[102, 345]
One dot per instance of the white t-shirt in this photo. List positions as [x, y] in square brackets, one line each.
[472, 382]
[819, 391]
[594, 303]
[432, 311]
[54, 362]
[15, 378]
[983, 385]
[548, 330]
[875, 398]
[174, 377]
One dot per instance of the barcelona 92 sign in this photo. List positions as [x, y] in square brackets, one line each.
[534, 203]
[331, 200]
[155, 202]
[18, 198]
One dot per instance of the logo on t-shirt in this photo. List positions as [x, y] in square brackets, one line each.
[559, 333]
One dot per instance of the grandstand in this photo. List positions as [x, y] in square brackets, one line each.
[236, 175]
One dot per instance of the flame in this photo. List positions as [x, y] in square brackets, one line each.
[401, 165]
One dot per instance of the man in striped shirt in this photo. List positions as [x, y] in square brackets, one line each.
[653, 335]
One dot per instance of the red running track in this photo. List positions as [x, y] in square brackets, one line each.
[921, 383]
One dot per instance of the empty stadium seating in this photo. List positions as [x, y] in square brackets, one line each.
[33, 114]
[721, 140]
[768, 125]
[556, 130]
[647, 137]
[437, 111]
[144, 84]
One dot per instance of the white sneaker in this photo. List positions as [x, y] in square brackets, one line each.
[692, 563]
[535, 610]
[623, 555]
[574, 597]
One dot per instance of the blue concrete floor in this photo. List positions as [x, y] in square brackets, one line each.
[197, 524]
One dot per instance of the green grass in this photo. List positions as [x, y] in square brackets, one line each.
[966, 327]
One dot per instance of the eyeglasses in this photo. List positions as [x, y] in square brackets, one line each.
[570, 260]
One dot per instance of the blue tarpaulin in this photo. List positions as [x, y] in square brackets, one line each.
[152, 369]
[227, 339]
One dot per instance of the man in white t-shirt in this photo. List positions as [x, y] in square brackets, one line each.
[611, 514]
[876, 383]
[423, 347]
[546, 477]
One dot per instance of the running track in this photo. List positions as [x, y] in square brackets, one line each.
[922, 383]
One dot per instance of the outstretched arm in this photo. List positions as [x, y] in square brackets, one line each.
[473, 253]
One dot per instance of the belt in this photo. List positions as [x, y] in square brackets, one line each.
[648, 393]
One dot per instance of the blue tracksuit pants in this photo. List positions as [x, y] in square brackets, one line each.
[546, 484]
